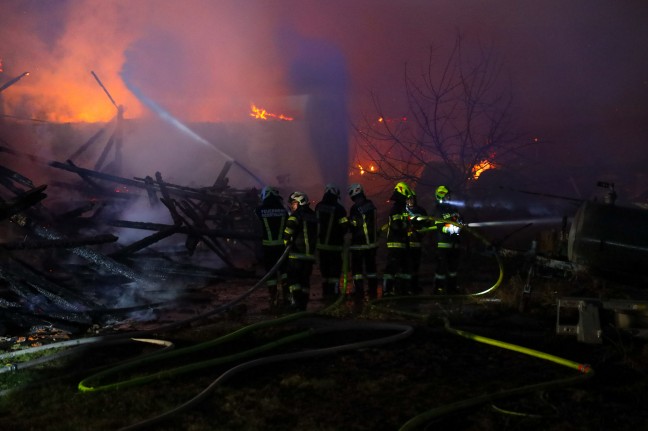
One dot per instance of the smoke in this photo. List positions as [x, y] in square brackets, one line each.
[577, 69]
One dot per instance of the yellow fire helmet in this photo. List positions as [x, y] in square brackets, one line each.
[403, 189]
[441, 192]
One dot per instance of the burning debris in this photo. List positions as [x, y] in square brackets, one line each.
[76, 268]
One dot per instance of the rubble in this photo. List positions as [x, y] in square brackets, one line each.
[69, 270]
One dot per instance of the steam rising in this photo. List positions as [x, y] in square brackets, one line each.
[577, 69]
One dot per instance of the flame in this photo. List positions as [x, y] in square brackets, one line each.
[371, 169]
[481, 167]
[392, 120]
[262, 114]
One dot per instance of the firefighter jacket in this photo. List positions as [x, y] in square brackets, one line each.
[363, 225]
[418, 220]
[332, 223]
[398, 226]
[446, 211]
[301, 233]
[273, 217]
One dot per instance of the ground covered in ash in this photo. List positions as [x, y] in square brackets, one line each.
[491, 363]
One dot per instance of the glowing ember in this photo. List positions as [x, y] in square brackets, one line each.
[481, 167]
[392, 120]
[371, 169]
[262, 114]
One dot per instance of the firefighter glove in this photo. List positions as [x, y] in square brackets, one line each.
[451, 229]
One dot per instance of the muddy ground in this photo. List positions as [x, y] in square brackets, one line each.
[430, 378]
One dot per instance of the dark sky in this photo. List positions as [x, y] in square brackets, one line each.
[572, 65]
[574, 58]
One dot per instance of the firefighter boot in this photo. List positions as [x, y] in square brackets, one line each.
[388, 287]
[302, 299]
[373, 289]
[358, 297]
[439, 287]
[327, 291]
[452, 287]
[274, 297]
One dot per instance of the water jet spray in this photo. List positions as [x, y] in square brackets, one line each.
[180, 126]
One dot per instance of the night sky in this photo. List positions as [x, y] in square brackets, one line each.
[578, 69]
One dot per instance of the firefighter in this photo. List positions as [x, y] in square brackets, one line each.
[364, 244]
[273, 215]
[301, 233]
[418, 221]
[332, 226]
[397, 276]
[447, 238]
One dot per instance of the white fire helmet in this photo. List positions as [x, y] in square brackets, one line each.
[300, 197]
[332, 189]
[268, 191]
[355, 190]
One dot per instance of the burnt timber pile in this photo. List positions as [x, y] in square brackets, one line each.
[71, 268]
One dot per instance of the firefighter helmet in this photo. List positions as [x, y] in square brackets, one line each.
[441, 192]
[332, 189]
[268, 191]
[403, 189]
[300, 197]
[355, 190]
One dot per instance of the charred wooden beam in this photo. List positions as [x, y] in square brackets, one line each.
[150, 191]
[186, 192]
[94, 258]
[29, 284]
[145, 242]
[13, 81]
[167, 201]
[59, 243]
[69, 166]
[90, 181]
[192, 240]
[15, 176]
[87, 144]
[221, 233]
[102, 158]
[22, 202]
[77, 212]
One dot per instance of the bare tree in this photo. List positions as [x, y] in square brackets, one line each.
[458, 122]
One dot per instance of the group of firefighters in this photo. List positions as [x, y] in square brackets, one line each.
[319, 235]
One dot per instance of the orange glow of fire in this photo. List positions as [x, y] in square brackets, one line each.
[482, 167]
[77, 100]
[372, 169]
[262, 114]
[392, 120]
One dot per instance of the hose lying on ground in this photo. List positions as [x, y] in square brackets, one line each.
[405, 331]
[585, 372]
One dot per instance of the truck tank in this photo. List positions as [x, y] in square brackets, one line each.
[609, 238]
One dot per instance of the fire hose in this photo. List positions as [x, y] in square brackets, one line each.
[377, 303]
[585, 372]
[404, 331]
[419, 421]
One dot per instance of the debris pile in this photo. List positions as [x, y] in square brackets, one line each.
[76, 267]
